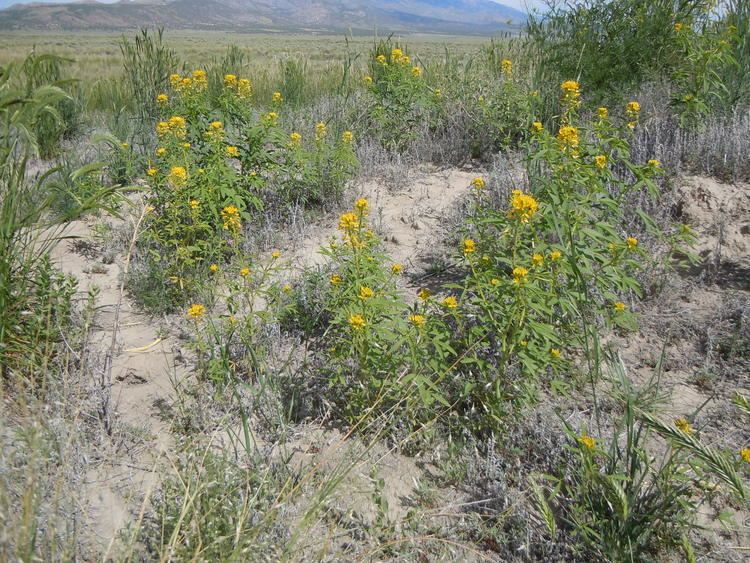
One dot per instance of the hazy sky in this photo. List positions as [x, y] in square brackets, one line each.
[521, 4]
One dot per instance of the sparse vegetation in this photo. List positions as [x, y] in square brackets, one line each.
[288, 328]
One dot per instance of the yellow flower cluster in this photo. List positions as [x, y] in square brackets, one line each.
[295, 139]
[683, 425]
[176, 126]
[162, 99]
[230, 218]
[450, 302]
[178, 175]
[519, 275]
[587, 441]
[506, 66]
[619, 307]
[478, 183]
[571, 93]
[242, 87]
[416, 71]
[522, 206]
[320, 131]
[398, 57]
[357, 322]
[601, 161]
[347, 137]
[198, 82]
[196, 311]
[277, 98]
[233, 152]
[417, 320]
[396, 269]
[349, 222]
[215, 131]
[602, 112]
[469, 246]
[568, 136]
[537, 127]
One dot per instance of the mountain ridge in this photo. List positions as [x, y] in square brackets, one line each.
[446, 16]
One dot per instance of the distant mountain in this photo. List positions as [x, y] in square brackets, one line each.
[442, 16]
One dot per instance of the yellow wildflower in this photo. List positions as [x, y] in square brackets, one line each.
[571, 92]
[277, 98]
[555, 255]
[568, 136]
[230, 217]
[438, 93]
[396, 269]
[494, 281]
[450, 302]
[424, 294]
[362, 205]
[162, 128]
[678, 27]
[522, 206]
[151, 171]
[295, 139]
[244, 272]
[233, 152]
[416, 71]
[653, 163]
[162, 99]
[633, 109]
[619, 307]
[555, 353]
[478, 183]
[349, 222]
[417, 320]
[367, 80]
[335, 279]
[587, 441]
[601, 161]
[519, 274]
[230, 80]
[366, 292]
[320, 131]
[196, 311]
[745, 454]
[632, 242]
[276, 254]
[537, 127]
[469, 246]
[174, 79]
[178, 175]
[194, 204]
[602, 112]
[213, 268]
[380, 59]
[271, 117]
[506, 66]
[683, 425]
[537, 259]
[357, 322]
[396, 55]
[244, 88]
[347, 137]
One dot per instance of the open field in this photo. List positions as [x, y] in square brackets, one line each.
[97, 55]
[275, 297]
